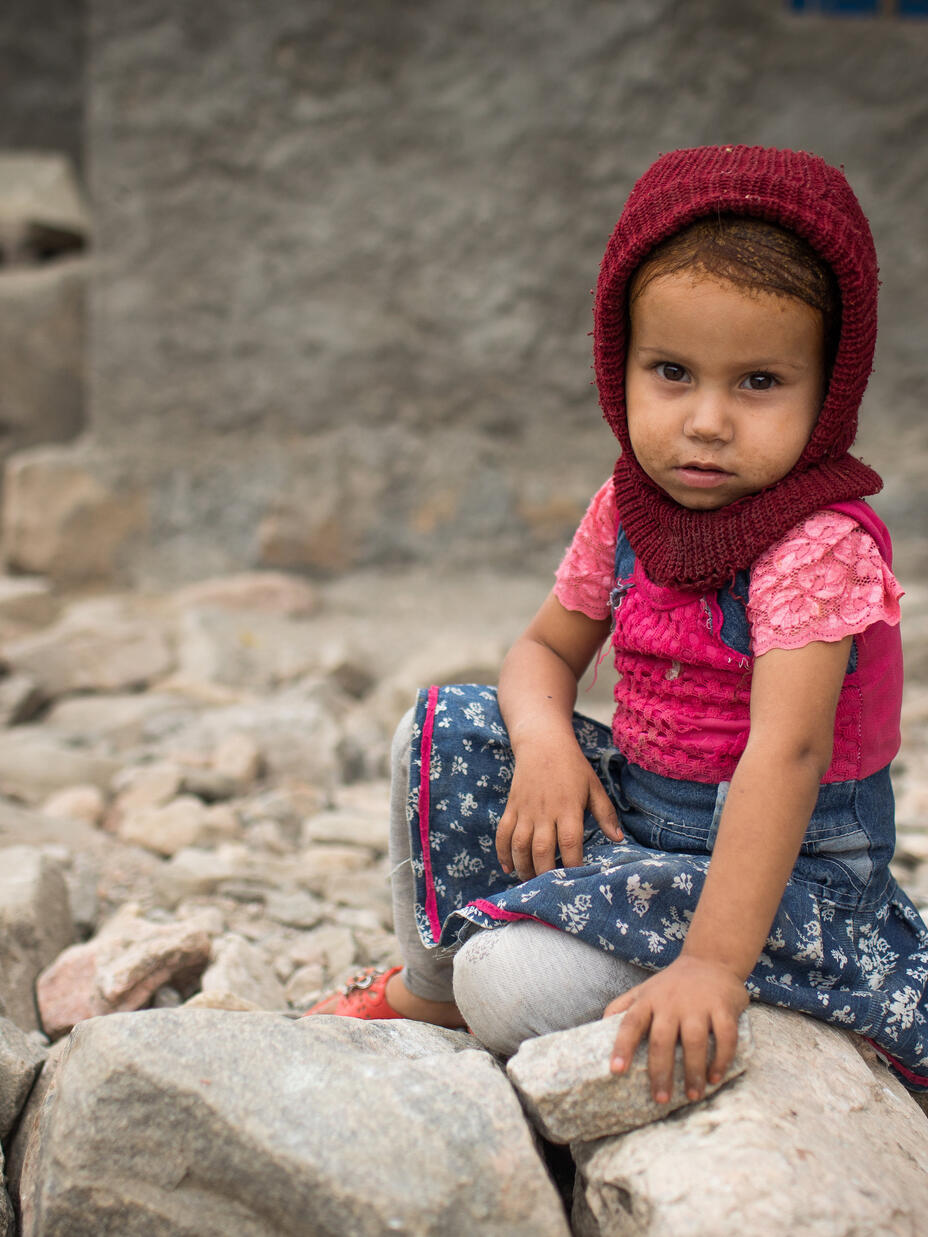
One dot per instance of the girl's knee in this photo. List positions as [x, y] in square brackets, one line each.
[487, 992]
[528, 979]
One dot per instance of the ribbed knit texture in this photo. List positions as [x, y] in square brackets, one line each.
[702, 550]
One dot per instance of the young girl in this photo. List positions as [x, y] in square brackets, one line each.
[732, 833]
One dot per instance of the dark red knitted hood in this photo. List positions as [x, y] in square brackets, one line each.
[703, 549]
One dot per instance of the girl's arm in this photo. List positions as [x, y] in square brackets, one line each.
[794, 696]
[553, 783]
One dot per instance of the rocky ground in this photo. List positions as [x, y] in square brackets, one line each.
[193, 793]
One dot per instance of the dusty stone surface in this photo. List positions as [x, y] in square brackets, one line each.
[570, 1095]
[810, 1139]
[271, 1106]
[35, 925]
[21, 1058]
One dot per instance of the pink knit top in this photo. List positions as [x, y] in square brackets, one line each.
[823, 580]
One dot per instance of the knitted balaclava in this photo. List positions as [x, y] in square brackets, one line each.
[702, 550]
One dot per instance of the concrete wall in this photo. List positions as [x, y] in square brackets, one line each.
[345, 254]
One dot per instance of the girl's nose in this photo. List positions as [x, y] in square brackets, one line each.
[708, 417]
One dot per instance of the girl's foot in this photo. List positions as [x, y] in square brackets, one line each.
[382, 994]
[439, 1013]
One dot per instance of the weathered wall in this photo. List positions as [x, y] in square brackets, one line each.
[42, 78]
[345, 254]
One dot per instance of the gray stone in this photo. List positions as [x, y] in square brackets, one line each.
[297, 731]
[183, 822]
[34, 763]
[20, 1061]
[121, 721]
[370, 830]
[69, 513]
[285, 1123]
[35, 925]
[99, 652]
[811, 1139]
[251, 650]
[76, 803]
[121, 968]
[567, 1089]
[40, 188]
[194, 871]
[243, 969]
[23, 826]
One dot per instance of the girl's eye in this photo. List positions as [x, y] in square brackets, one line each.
[760, 382]
[670, 372]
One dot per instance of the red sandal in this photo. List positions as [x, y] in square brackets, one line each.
[362, 997]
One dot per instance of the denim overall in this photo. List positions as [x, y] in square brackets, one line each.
[846, 946]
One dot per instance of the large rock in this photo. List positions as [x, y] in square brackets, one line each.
[211, 1123]
[570, 1093]
[7, 1219]
[21, 1058]
[811, 1139]
[35, 925]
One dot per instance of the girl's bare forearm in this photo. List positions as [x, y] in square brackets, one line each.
[766, 814]
[537, 691]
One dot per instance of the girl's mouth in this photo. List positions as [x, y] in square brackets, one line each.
[701, 475]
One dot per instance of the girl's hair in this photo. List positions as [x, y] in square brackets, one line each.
[751, 254]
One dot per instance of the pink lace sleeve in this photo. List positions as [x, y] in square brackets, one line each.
[584, 578]
[824, 580]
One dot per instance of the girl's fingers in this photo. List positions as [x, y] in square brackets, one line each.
[662, 1043]
[533, 847]
[630, 1034]
[504, 842]
[569, 842]
[726, 1041]
[605, 814]
[694, 1037]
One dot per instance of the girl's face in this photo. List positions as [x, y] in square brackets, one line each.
[723, 386]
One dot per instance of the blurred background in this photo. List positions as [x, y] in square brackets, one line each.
[306, 285]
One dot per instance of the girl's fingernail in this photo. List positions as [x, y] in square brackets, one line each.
[692, 1094]
[618, 1064]
[662, 1097]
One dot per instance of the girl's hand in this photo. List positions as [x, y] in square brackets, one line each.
[552, 786]
[684, 1002]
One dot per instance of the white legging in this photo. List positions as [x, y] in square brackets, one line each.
[510, 983]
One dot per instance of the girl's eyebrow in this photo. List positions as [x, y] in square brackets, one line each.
[766, 363]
